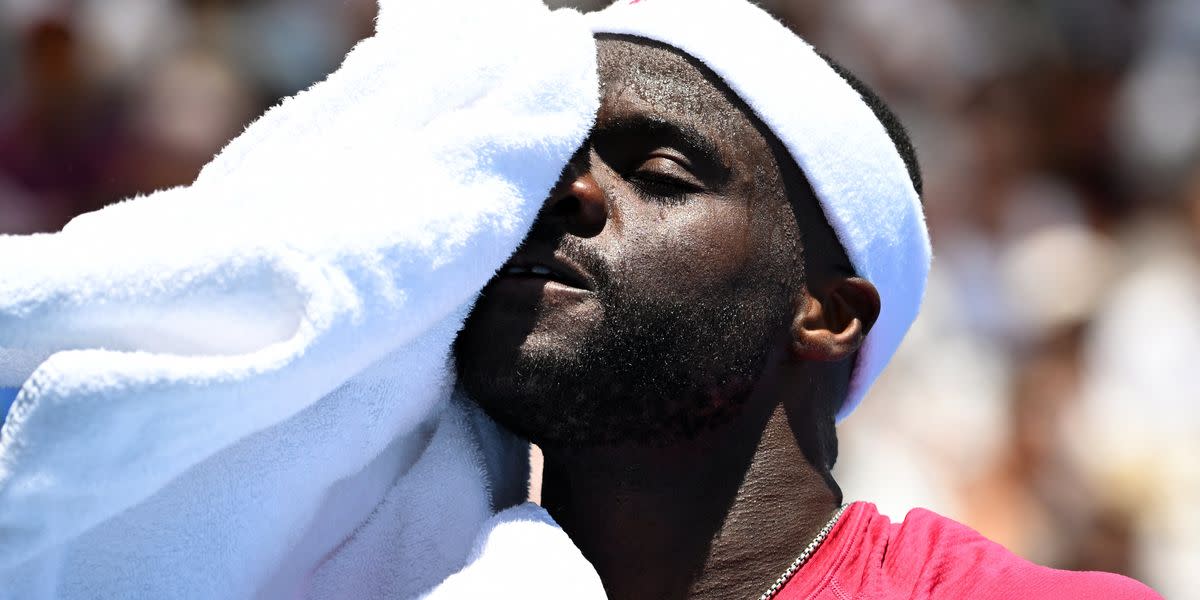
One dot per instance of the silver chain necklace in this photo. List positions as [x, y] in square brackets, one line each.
[803, 558]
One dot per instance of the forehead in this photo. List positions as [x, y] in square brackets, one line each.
[641, 78]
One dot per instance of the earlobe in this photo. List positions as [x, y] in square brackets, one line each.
[831, 324]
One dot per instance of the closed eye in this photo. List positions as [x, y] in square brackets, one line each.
[662, 174]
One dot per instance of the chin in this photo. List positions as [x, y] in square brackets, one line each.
[614, 370]
[556, 400]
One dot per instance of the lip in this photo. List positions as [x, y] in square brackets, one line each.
[537, 290]
[548, 271]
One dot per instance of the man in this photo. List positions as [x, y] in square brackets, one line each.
[260, 407]
[699, 301]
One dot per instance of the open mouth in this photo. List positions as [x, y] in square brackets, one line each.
[556, 271]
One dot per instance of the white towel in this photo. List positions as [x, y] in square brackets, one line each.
[523, 554]
[241, 388]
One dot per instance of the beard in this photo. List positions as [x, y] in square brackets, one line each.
[648, 371]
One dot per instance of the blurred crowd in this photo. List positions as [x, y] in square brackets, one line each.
[104, 99]
[1045, 395]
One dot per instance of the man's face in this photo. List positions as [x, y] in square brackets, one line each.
[662, 270]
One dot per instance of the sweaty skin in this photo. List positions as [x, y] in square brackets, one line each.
[675, 334]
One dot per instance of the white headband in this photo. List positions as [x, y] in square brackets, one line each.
[845, 152]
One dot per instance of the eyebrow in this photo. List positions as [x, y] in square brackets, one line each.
[690, 140]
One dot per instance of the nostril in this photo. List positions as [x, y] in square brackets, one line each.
[578, 206]
[565, 207]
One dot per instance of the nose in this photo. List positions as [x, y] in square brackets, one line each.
[578, 203]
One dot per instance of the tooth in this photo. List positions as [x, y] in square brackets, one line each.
[539, 270]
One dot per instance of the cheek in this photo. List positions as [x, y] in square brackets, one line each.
[686, 250]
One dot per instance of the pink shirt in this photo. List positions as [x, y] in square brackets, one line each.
[867, 557]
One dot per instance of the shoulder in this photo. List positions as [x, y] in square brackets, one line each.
[931, 556]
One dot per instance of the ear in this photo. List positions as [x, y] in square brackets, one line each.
[832, 320]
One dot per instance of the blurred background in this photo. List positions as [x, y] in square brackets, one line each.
[1046, 395]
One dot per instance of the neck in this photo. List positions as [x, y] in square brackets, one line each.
[717, 517]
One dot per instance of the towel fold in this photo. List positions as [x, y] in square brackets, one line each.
[240, 388]
[523, 549]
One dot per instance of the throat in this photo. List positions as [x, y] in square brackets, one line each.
[718, 517]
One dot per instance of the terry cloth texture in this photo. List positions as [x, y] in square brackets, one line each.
[845, 152]
[241, 388]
